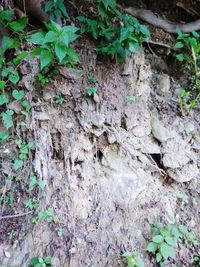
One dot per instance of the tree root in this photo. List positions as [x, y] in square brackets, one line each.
[168, 26]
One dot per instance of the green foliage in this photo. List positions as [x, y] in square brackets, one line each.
[34, 183]
[197, 260]
[90, 90]
[31, 203]
[56, 9]
[189, 46]
[118, 34]
[165, 241]
[24, 149]
[54, 45]
[40, 262]
[59, 100]
[46, 215]
[133, 259]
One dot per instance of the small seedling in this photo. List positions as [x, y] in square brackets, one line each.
[90, 91]
[59, 100]
[34, 183]
[40, 262]
[197, 260]
[42, 79]
[166, 239]
[133, 259]
[44, 215]
[56, 9]
[31, 203]
[189, 45]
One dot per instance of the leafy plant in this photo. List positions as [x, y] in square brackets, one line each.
[189, 45]
[197, 260]
[40, 262]
[90, 90]
[59, 100]
[24, 149]
[118, 34]
[31, 203]
[56, 9]
[133, 259]
[34, 182]
[165, 241]
[44, 215]
[54, 45]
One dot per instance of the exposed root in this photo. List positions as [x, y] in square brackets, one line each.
[168, 26]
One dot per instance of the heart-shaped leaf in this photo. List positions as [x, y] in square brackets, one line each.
[18, 95]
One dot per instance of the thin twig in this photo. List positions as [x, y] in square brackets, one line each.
[16, 215]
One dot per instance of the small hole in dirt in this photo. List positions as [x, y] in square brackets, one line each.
[157, 158]
[123, 123]
[98, 155]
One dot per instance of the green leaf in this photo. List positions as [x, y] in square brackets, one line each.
[47, 260]
[152, 247]
[70, 52]
[46, 57]
[2, 84]
[14, 77]
[37, 38]
[7, 118]
[3, 99]
[6, 14]
[167, 251]
[170, 241]
[26, 105]
[18, 95]
[164, 231]
[20, 57]
[19, 25]
[158, 257]
[179, 45]
[158, 239]
[183, 230]
[50, 37]
[4, 135]
[60, 51]
[18, 164]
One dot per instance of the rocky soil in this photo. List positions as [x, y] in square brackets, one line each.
[110, 164]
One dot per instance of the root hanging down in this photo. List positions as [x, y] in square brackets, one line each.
[168, 26]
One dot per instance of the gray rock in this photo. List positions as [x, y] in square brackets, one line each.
[158, 130]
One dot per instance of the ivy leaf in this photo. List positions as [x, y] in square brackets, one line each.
[7, 118]
[18, 95]
[46, 57]
[4, 135]
[14, 77]
[3, 99]
[18, 164]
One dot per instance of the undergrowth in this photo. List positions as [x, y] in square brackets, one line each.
[189, 47]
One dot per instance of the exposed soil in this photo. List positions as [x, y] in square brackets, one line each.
[110, 166]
